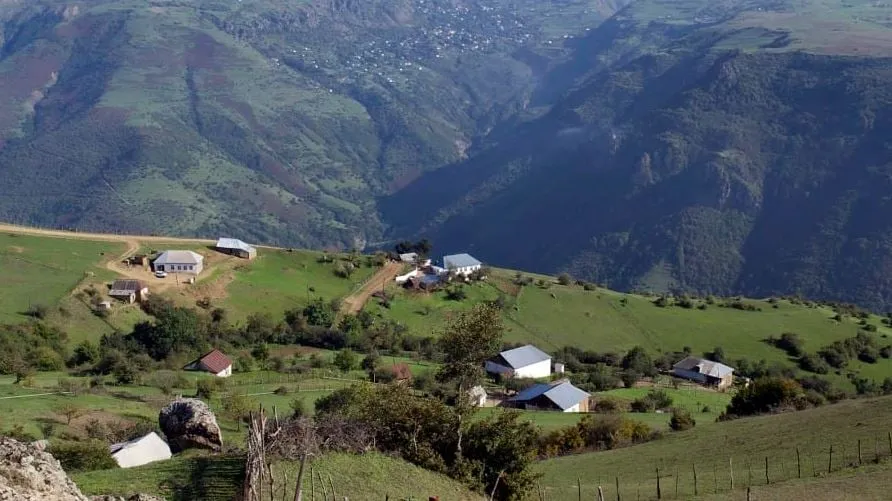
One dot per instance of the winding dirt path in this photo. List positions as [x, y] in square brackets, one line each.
[25, 230]
[353, 303]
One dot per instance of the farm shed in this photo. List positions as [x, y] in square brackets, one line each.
[179, 261]
[129, 290]
[524, 362]
[140, 451]
[705, 372]
[214, 362]
[236, 247]
[558, 395]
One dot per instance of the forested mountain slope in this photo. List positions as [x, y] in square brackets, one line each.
[712, 149]
[278, 122]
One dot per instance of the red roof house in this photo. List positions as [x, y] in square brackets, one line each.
[214, 362]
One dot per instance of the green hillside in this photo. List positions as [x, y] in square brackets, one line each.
[746, 442]
[368, 476]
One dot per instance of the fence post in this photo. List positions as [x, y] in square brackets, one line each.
[578, 489]
[694, 466]
[600, 494]
[659, 493]
[890, 442]
[731, 471]
[618, 498]
[767, 478]
[798, 464]
[676, 482]
[747, 494]
[830, 460]
[876, 450]
[715, 478]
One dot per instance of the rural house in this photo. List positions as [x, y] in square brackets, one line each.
[179, 261]
[236, 247]
[524, 362]
[705, 372]
[408, 257]
[140, 451]
[214, 362]
[461, 264]
[556, 396]
[129, 290]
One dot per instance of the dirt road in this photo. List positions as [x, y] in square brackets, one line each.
[353, 303]
[25, 230]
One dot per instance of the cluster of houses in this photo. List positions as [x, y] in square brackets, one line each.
[425, 272]
[561, 395]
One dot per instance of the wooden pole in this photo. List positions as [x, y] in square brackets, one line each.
[600, 494]
[830, 460]
[747, 494]
[324, 490]
[715, 478]
[749, 472]
[659, 493]
[676, 482]
[334, 497]
[694, 466]
[618, 498]
[731, 471]
[495, 486]
[876, 450]
[890, 442]
[798, 464]
[767, 478]
[312, 485]
[859, 452]
[578, 489]
[298, 489]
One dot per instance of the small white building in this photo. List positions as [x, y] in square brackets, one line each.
[140, 451]
[214, 362]
[557, 396]
[236, 247]
[408, 257]
[128, 290]
[461, 264]
[179, 261]
[524, 362]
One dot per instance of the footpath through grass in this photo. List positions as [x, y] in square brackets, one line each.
[743, 444]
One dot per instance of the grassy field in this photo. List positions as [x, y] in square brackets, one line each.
[746, 442]
[279, 280]
[42, 271]
[370, 476]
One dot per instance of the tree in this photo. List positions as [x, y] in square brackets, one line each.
[565, 279]
[467, 342]
[85, 352]
[298, 407]
[319, 313]
[371, 362]
[236, 406]
[637, 360]
[345, 360]
[503, 449]
[681, 420]
[260, 352]
[70, 410]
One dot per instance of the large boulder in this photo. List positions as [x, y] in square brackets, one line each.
[189, 423]
[27, 473]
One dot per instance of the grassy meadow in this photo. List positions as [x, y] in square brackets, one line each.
[43, 271]
[746, 442]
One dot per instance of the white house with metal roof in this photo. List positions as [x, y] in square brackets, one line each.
[705, 372]
[236, 247]
[557, 395]
[179, 261]
[524, 362]
[461, 264]
[140, 451]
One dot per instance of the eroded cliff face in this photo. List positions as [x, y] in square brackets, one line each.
[28, 473]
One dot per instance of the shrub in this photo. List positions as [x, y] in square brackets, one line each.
[790, 343]
[681, 420]
[886, 351]
[813, 363]
[346, 360]
[869, 355]
[864, 386]
[611, 405]
[83, 456]
[588, 286]
[655, 399]
[611, 431]
[565, 279]
[764, 395]
[281, 390]
[38, 311]
[207, 387]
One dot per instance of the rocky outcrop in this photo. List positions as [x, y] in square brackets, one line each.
[29, 474]
[189, 423]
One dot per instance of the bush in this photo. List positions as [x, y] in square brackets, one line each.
[869, 355]
[790, 343]
[655, 399]
[769, 394]
[681, 420]
[207, 387]
[38, 311]
[813, 363]
[886, 351]
[83, 456]
[611, 405]
[611, 431]
[565, 279]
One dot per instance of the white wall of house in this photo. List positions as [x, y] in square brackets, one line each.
[466, 270]
[193, 269]
[575, 408]
[537, 370]
[225, 372]
[149, 449]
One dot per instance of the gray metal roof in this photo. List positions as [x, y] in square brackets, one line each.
[234, 243]
[562, 393]
[524, 356]
[460, 261]
[179, 257]
[705, 367]
[408, 257]
[113, 448]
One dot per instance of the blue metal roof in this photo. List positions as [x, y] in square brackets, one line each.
[460, 261]
[562, 393]
[524, 356]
